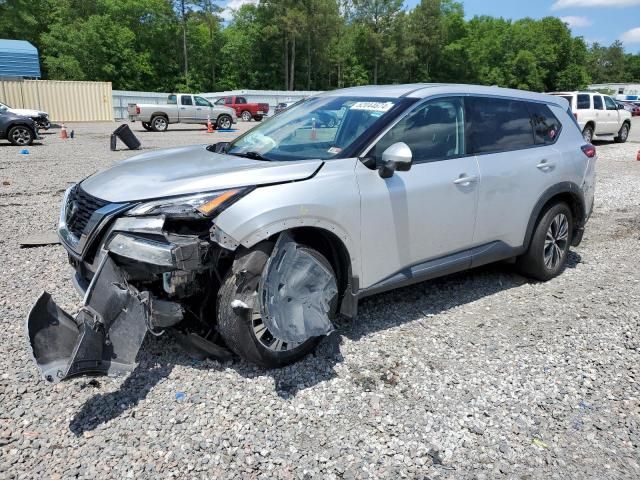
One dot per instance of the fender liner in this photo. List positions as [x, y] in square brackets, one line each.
[578, 207]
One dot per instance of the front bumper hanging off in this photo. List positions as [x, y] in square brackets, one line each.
[104, 337]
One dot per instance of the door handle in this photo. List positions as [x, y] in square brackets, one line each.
[183, 108]
[198, 109]
[545, 165]
[465, 180]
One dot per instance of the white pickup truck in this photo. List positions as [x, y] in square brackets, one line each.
[181, 108]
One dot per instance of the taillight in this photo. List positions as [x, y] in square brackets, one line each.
[589, 150]
[137, 110]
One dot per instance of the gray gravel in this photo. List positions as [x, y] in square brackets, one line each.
[477, 375]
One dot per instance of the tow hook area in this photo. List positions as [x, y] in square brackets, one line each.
[106, 334]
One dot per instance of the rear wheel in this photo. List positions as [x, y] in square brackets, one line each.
[159, 123]
[239, 318]
[623, 134]
[587, 134]
[20, 135]
[246, 116]
[546, 257]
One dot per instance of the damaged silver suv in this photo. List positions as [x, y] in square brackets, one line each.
[255, 246]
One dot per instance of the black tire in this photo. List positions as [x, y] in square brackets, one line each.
[246, 116]
[535, 262]
[20, 135]
[224, 122]
[258, 118]
[623, 134]
[147, 126]
[159, 123]
[236, 325]
[587, 134]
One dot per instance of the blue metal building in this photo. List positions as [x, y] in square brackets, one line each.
[18, 58]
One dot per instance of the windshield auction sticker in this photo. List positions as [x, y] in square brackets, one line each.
[372, 106]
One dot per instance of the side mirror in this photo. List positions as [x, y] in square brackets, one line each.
[396, 157]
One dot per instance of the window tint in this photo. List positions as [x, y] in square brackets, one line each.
[227, 101]
[498, 124]
[201, 102]
[434, 131]
[186, 100]
[546, 127]
[568, 99]
[597, 102]
[172, 100]
[611, 105]
[584, 101]
[241, 100]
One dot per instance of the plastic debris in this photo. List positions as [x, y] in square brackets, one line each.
[539, 443]
[24, 151]
[180, 396]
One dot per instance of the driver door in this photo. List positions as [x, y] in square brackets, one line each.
[203, 110]
[428, 212]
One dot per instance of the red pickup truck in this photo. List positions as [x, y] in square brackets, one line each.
[245, 110]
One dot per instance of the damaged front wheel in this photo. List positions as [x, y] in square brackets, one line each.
[276, 302]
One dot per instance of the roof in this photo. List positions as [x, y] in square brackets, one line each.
[423, 90]
[18, 58]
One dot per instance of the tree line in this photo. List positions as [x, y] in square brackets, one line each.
[186, 45]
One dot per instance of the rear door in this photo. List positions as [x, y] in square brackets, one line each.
[603, 119]
[187, 109]
[429, 211]
[516, 165]
[613, 114]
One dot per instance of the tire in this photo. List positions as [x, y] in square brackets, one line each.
[246, 116]
[623, 134]
[20, 136]
[237, 327]
[258, 118]
[587, 134]
[224, 122]
[546, 257]
[159, 123]
[147, 126]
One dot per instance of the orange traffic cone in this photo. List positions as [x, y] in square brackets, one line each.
[314, 134]
[209, 126]
[63, 132]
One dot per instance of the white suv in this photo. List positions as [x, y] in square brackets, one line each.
[598, 115]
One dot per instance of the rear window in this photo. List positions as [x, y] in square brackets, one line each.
[172, 100]
[498, 125]
[584, 101]
[568, 98]
[546, 127]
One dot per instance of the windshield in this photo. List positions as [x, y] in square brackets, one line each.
[316, 128]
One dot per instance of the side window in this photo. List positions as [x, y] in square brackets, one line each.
[172, 100]
[546, 127]
[498, 124]
[434, 131]
[201, 102]
[611, 105]
[584, 101]
[597, 102]
[186, 100]
[227, 101]
[220, 101]
[241, 100]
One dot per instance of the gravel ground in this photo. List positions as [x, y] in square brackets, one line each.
[477, 375]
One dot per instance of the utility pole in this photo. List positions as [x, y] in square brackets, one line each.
[184, 44]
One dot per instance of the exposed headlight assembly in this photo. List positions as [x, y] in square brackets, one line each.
[198, 205]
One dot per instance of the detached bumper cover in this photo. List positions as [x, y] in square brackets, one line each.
[103, 338]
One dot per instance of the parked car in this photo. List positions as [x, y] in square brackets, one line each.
[282, 106]
[599, 116]
[41, 118]
[244, 109]
[255, 246]
[19, 130]
[181, 108]
[632, 107]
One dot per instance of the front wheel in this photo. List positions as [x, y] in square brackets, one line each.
[239, 314]
[246, 116]
[546, 257]
[20, 136]
[224, 122]
[623, 134]
[258, 118]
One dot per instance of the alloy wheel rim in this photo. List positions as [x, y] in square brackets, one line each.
[226, 124]
[160, 123]
[266, 338]
[246, 116]
[588, 136]
[624, 133]
[556, 241]
[21, 136]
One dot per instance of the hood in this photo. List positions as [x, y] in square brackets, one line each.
[25, 112]
[185, 170]
[10, 114]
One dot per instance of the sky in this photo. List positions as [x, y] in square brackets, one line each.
[602, 21]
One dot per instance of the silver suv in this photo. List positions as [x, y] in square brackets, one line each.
[255, 246]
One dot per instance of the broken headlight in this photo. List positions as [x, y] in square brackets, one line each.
[201, 204]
